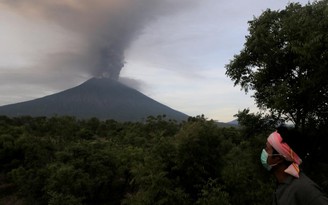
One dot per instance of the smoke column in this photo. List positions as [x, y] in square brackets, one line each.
[107, 26]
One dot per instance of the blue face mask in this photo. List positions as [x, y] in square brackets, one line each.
[264, 159]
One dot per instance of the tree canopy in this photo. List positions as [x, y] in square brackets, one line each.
[285, 62]
[62, 160]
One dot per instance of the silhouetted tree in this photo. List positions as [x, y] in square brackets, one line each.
[285, 60]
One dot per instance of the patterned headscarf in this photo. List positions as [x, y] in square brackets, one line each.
[283, 148]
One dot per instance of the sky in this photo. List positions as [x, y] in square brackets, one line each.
[172, 51]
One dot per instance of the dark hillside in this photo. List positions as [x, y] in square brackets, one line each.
[101, 98]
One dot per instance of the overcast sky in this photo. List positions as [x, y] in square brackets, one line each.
[176, 55]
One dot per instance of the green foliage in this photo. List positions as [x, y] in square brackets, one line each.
[242, 171]
[252, 124]
[199, 155]
[153, 185]
[213, 194]
[155, 162]
[285, 62]
[9, 154]
[62, 199]
[67, 180]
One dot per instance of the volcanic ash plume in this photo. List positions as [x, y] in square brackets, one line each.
[107, 26]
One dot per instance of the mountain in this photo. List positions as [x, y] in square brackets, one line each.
[233, 122]
[102, 98]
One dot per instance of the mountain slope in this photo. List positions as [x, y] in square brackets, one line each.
[102, 98]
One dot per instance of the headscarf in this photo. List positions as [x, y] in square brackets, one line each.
[283, 148]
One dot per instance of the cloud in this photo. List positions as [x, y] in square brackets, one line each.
[106, 28]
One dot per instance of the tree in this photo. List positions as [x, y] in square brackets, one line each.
[285, 62]
[199, 154]
[213, 194]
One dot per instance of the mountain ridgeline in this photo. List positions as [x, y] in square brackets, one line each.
[102, 98]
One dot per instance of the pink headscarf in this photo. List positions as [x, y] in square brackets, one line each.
[282, 148]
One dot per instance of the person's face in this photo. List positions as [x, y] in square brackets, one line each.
[272, 158]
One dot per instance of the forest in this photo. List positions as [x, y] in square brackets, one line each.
[64, 160]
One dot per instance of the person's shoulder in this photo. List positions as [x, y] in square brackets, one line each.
[307, 189]
[305, 183]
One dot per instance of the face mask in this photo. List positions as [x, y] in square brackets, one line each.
[264, 160]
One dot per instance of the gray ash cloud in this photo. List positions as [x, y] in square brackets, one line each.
[107, 27]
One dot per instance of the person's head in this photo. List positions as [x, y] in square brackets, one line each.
[270, 158]
[280, 151]
[294, 138]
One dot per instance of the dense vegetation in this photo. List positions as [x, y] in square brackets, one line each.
[62, 160]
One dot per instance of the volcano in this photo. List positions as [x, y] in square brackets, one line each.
[103, 98]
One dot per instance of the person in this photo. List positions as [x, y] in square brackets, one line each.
[282, 160]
